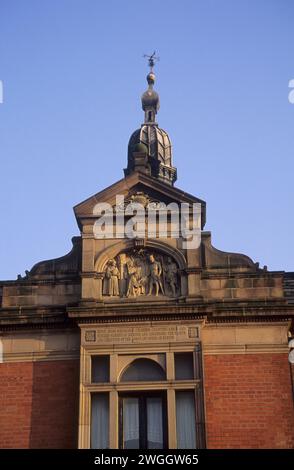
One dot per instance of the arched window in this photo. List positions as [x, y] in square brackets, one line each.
[143, 369]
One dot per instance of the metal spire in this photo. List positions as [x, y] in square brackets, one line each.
[150, 99]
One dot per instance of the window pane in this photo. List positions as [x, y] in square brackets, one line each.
[143, 369]
[100, 421]
[100, 369]
[185, 413]
[131, 423]
[154, 423]
[184, 368]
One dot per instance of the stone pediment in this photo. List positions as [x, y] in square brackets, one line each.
[136, 183]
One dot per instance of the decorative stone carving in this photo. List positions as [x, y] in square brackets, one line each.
[140, 197]
[112, 276]
[171, 276]
[155, 277]
[140, 272]
[21, 278]
[90, 335]
[136, 280]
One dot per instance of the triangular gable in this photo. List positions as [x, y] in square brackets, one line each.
[140, 182]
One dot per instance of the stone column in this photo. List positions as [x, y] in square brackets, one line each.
[171, 419]
[85, 402]
[113, 419]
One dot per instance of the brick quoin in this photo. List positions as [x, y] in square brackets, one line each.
[39, 404]
[248, 401]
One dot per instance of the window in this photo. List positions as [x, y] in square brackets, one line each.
[184, 367]
[153, 401]
[100, 421]
[143, 369]
[100, 369]
[143, 421]
[185, 416]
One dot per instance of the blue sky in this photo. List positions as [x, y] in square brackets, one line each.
[73, 74]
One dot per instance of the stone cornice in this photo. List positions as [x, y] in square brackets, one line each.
[209, 273]
[212, 312]
[74, 279]
[12, 318]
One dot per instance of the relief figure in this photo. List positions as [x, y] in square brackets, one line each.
[112, 276]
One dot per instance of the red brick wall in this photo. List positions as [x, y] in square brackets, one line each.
[39, 404]
[248, 401]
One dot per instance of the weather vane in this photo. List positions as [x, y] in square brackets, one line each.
[151, 60]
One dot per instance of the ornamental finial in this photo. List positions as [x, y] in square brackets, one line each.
[151, 60]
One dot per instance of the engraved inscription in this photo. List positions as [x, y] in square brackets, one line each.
[142, 334]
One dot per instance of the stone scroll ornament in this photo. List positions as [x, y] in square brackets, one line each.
[141, 273]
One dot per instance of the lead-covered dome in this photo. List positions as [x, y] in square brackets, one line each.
[151, 141]
[156, 141]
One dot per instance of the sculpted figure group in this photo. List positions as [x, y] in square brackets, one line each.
[142, 273]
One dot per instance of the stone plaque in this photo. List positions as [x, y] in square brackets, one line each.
[193, 332]
[142, 334]
[90, 336]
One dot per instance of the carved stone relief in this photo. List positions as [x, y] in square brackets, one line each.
[111, 279]
[140, 197]
[141, 272]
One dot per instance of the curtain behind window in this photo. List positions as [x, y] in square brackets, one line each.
[100, 421]
[185, 413]
[154, 423]
[131, 422]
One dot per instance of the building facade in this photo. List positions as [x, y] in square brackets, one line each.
[144, 341]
